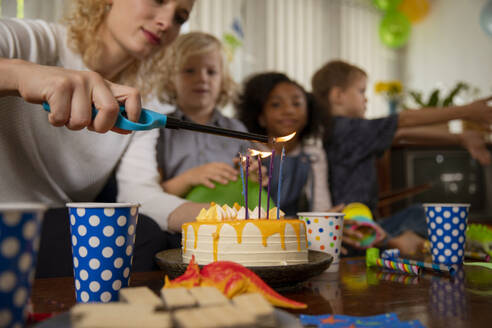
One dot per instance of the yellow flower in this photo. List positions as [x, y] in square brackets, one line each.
[380, 87]
[395, 87]
[390, 88]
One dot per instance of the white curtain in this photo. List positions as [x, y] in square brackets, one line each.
[298, 36]
[50, 10]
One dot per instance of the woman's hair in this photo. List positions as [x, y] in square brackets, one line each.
[254, 96]
[184, 47]
[83, 22]
[333, 74]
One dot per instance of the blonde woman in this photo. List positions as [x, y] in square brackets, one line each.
[105, 47]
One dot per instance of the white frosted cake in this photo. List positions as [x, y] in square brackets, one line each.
[223, 234]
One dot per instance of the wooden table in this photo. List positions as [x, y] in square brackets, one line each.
[437, 301]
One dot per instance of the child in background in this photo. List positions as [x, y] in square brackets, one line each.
[353, 144]
[273, 104]
[198, 83]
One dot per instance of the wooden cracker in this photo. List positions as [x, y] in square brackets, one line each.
[213, 317]
[208, 296]
[258, 306]
[139, 295]
[177, 298]
[108, 320]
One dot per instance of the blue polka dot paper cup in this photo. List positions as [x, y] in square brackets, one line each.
[20, 225]
[446, 226]
[103, 237]
[324, 233]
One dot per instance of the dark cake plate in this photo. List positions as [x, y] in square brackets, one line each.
[279, 276]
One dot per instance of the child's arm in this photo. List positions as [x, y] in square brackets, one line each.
[201, 175]
[470, 140]
[477, 111]
[186, 212]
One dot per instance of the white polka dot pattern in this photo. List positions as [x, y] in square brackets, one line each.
[446, 226]
[104, 249]
[448, 297]
[19, 235]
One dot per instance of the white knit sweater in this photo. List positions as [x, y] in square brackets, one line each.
[54, 165]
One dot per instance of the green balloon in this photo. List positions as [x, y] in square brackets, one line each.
[229, 194]
[386, 5]
[394, 29]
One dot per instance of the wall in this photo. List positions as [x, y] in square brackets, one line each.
[449, 46]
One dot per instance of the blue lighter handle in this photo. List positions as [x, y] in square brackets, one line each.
[148, 119]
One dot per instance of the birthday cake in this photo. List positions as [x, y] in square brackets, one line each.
[223, 233]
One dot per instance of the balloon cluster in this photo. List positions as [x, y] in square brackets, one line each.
[395, 26]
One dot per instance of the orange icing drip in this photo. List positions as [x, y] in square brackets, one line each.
[196, 235]
[239, 230]
[266, 227]
[216, 236]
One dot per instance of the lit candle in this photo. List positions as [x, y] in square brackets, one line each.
[242, 177]
[280, 181]
[269, 179]
[259, 180]
[281, 139]
[246, 183]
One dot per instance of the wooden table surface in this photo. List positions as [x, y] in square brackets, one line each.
[437, 301]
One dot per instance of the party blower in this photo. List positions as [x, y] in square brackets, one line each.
[151, 120]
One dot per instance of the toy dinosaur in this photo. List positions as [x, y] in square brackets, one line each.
[231, 279]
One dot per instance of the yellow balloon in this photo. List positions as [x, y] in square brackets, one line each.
[415, 10]
[353, 210]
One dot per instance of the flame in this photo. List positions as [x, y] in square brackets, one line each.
[285, 138]
[254, 152]
[262, 154]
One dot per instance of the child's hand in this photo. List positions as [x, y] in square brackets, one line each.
[209, 173]
[474, 142]
[353, 237]
[253, 173]
[381, 232]
[480, 111]
[337, 208]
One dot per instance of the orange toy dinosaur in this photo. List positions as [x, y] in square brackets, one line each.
[231, 279]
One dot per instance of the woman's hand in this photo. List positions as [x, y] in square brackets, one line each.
[71, 94]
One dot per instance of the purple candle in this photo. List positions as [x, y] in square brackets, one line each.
[242, 176]
[246, 183]
[259, 179]
[269, 179]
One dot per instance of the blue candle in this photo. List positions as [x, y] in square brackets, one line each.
[280, 181]
[269, 178]
[242, 177]
[246, 183]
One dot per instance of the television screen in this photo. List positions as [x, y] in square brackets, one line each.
[454, 176]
